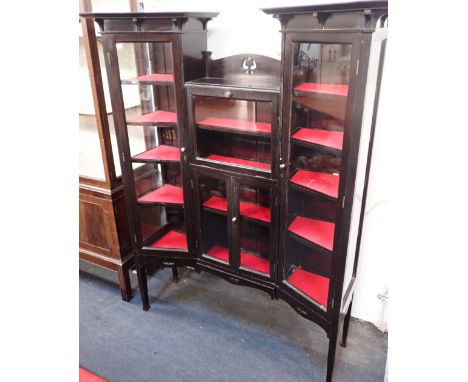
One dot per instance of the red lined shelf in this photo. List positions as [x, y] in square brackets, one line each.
[326, 184]
[247, 260]
[166, 194]
[315, 231]
[241, 162]
[171, 240]
[255, 263]
[151, 79]
[249, 210]
[223, 124]
[308, 87]
[216, 203]
[219, 253]
[161, 153]
[159, 117]
[314, 286]
[326, 138]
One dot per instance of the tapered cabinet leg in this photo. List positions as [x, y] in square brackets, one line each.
[344, 338]
[175, 274]
[124, 283]
[143, 285]
[331, 353]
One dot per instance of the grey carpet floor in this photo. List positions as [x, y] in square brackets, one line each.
[205, 329]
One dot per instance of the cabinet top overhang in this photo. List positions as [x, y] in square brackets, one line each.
[150, 21]
[350, 15]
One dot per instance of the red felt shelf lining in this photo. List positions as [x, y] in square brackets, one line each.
[87, 376]
[316, 231]
[153, 78]
[159, 116]
[314, 286]
[317, 181]
[333, 89]
[236, 124]
[164, 194]
[171, 240]
[242, 162]
[250, 210]
[247, 260]
[333, 139]
[160, 153]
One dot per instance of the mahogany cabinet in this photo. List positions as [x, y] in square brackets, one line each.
[251, 168]
[104, 238]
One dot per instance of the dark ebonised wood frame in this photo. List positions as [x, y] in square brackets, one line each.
[360, 24]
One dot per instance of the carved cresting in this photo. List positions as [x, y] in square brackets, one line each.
[249, 65]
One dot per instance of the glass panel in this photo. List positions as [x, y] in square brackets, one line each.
[254, 228]
[234, 132]
[213, 212]
[150, 108]
[320, 89]
[91, 165]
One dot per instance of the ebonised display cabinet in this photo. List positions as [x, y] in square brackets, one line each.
[251, 168]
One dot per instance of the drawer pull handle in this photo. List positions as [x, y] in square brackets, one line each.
[228, 94]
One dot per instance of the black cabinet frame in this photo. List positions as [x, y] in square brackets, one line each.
[360, 24]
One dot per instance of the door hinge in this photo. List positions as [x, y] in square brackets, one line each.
[332, 303]
[343, 202]
[123, 157]
[191, 183]
[135, 237]
[109, 57]
[357, 68]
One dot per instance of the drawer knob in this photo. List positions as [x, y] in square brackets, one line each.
[228, 93]
[182, 149]
[234, 219]
[282, 166]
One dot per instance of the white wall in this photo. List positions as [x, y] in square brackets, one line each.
[243, 28]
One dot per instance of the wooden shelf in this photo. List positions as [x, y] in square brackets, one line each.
[248, 210]
[326, 184]
[161, 153]
[247, 260]
[317, 232]
[330, 89]
[235, 126]
[314, 286]
[323, 138]
[166, 194]
[156, 118]
[151, 79]
[240, 162]
[171, 240]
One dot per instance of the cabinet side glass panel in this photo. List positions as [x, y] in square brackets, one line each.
[235, 132]
[213, 213]
[320, 77]
[91, 162]
[368, 112]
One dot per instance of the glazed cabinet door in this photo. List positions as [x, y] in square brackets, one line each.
[146, 91]
[319, 87]
[237, 223]
[234, 129]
